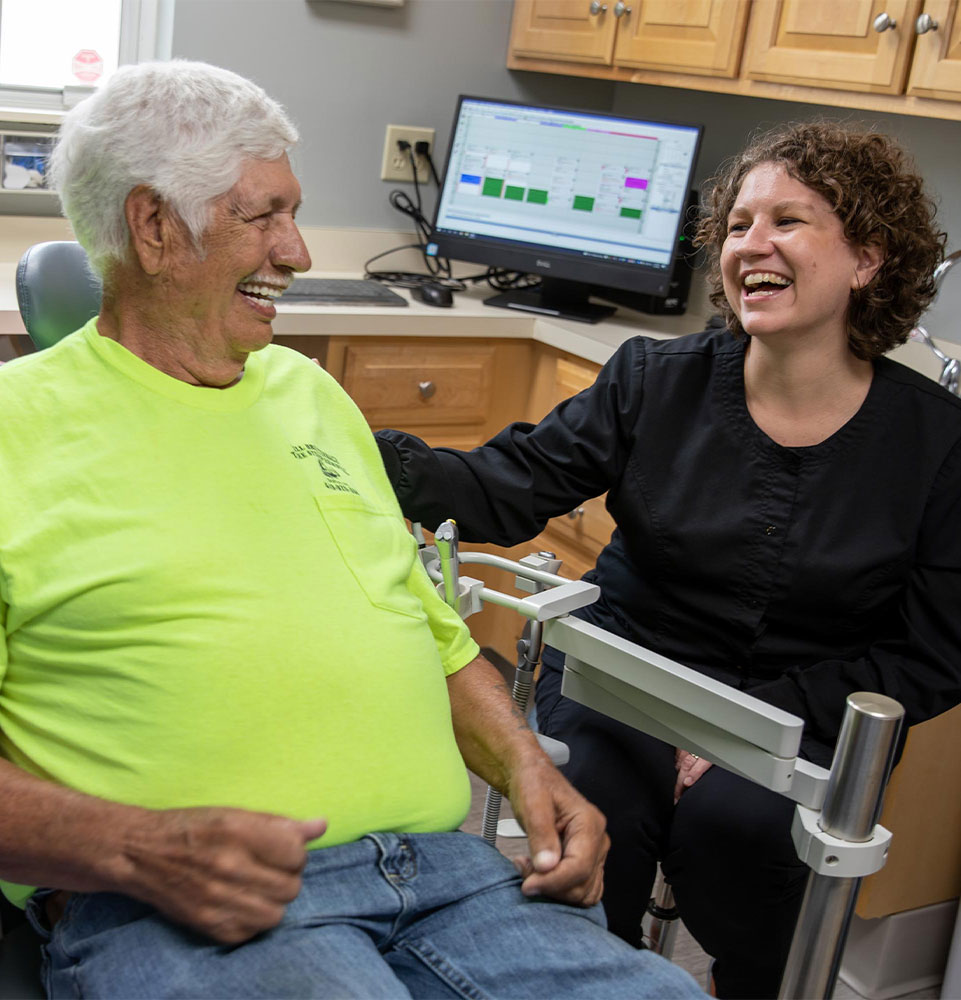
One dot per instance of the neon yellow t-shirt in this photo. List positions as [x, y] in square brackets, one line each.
[210, 597]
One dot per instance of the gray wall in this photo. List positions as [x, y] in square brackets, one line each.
[346, 70]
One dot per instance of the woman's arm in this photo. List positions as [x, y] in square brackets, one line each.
[506, 490]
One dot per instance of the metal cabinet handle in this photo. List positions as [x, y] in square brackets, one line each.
[620, 9]
[598, 8]
[925, 23]
[573, 515]
[427, 389]
[883, 22]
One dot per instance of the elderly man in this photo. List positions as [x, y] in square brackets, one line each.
[234, 712]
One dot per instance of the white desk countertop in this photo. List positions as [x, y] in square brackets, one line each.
[332, 250]
[468, 317]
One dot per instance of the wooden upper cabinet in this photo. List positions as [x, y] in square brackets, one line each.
[704, 37]
[569, 30]
[832, 43]
[936, 69]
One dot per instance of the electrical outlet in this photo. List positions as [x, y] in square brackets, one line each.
[396, 164]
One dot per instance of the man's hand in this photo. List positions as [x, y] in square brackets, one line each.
[689, 768]
[227, 873]
[566, 834]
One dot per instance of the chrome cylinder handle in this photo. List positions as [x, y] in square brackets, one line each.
[620, 9]
[426, 389]
[598, 8]
[446, 538]
[883, 22]
[925, 23]
[573, 515]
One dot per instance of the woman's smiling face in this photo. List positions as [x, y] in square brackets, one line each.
[785, 264]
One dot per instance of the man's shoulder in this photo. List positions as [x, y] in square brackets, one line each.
[290, 376]
[286, 362]
[41, 370]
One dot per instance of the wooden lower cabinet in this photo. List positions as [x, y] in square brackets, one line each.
[454, 393]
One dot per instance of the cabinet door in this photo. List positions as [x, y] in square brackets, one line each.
[683, 36]
[936, 68]
[831, 43]
[564, 29]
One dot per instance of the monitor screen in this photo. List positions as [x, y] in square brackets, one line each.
[578, 197]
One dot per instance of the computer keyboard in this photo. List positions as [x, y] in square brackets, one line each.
[342, 291]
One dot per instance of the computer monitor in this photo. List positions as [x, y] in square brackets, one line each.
[585, 200]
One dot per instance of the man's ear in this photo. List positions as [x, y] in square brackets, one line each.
[148, 221]
[870, 257]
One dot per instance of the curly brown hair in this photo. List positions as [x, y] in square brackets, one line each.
[874, 189]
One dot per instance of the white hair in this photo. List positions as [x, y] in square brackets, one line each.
[182, 128]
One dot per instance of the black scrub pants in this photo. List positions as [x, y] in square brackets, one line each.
[725, 848]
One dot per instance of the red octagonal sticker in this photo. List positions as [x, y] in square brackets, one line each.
[87, 66]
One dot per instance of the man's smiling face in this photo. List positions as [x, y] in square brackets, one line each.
[252, 247]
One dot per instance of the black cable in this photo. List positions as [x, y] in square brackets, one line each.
[502, 280]
[438, 268]
[430, 163]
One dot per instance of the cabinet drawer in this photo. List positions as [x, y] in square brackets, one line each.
[407, 384]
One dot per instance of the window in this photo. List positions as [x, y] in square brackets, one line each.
[53, 51]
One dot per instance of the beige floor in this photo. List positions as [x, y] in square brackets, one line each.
[687, 953]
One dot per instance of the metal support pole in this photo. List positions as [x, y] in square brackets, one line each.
[852, 805]
[664, 918]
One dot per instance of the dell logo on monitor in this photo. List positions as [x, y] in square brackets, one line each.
[543, 263]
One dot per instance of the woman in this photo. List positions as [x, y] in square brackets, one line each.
[786, 502]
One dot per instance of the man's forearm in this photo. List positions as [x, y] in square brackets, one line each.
[492, 734]
[228, 873]
[55, 836]
[565, 832]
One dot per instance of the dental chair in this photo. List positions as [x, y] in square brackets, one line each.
[57, 291]
[835, 829]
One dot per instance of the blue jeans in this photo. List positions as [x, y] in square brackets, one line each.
[420, 915]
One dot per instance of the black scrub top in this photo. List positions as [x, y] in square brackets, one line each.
[800, 574]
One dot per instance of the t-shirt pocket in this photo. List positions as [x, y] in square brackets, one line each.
[376, 548]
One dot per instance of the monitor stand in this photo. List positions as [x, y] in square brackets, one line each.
[554, 297]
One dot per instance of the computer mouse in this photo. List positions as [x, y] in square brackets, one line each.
[432, 294]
